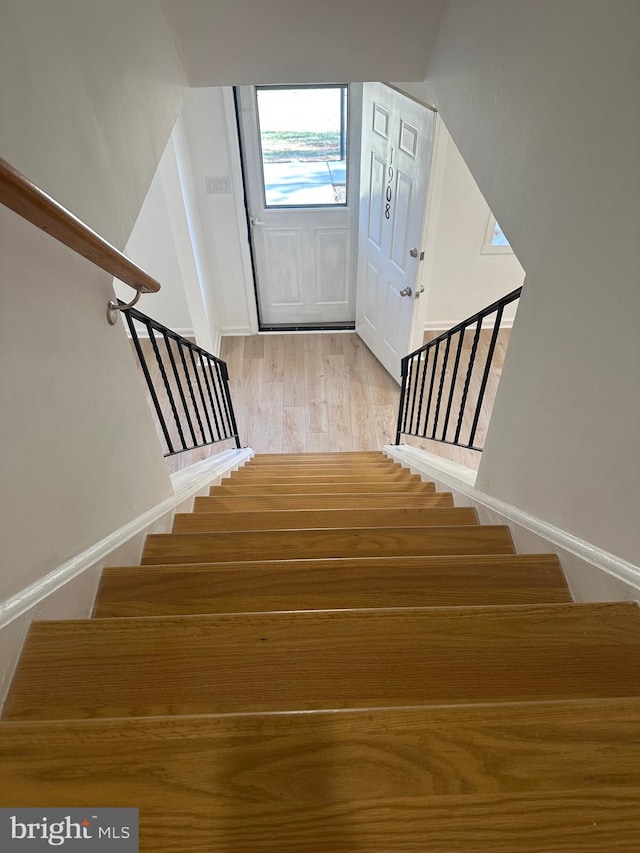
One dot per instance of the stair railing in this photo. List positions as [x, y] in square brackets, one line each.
[197, 383]
[22, 196]
[193, 381]
[435, 402]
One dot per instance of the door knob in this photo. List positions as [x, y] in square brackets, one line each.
[255, 221]
[413, 252]
[406, 291]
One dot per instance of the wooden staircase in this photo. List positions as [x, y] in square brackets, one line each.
[327, 656]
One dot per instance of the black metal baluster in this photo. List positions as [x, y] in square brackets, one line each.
[222, 366]
[485, 375]
[431, 384]
[180, 391]
[415, 362]
[204, 402]
[218, 384]
[147, 376]
[403, 393]
[467, 382]
[454, 376]
[443, 371]
[213, 408]
[424, 376]
[181, 346]
[167, 385]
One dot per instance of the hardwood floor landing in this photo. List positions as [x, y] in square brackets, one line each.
[297, 393]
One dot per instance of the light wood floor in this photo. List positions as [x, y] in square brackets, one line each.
[328, 392]
[296, 393]
[470, 458]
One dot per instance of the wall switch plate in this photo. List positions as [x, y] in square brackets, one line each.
[217, 185]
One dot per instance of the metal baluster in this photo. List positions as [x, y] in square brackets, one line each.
[485, 375]
[222, 367]
[174, 367]
[181, 346]
[213, 408]
[424, 376]
[454, 376]
[147, 376]
[403, 393]
[204, 402]
[443, 370]
[216, 381]
[415, 365]
[472, 359]
[167, 386]
[431, 384]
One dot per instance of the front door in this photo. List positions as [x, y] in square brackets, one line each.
[397, 145]
[301, 180]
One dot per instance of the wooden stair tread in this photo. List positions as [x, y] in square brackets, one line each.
[323, 518]
[320, 477]
[322, 488]
[345, 542]
[363, 500]
[329, 465]
[322, 660]
[322, 584]
[335, 457]
[380, 470]
[369, 755]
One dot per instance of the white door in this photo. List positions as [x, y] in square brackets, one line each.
[301, 180]
[397, 145]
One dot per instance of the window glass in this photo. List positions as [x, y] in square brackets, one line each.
[303, 136]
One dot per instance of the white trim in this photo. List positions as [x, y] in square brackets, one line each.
[237, 185]
[445, 325]
[619, 578]
[237, 331]
[185, 484]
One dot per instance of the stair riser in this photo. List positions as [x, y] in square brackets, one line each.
[281, 662]
[324, 488]
[269, 586]
[313, 544]
[375, 477]
[308, 519]
[393, 500]
[371, 756]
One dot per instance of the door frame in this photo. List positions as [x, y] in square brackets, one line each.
[354, 123]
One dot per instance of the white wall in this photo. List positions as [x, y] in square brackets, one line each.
[234, 42]
[88, 96]
[463, 279]
[89, 93]
[152, 246]
[542, 100]
[80, 454]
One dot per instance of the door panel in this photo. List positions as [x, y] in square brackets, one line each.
[332, 264]
[303, 240]
[397, 144]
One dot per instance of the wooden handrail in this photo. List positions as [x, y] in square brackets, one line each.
[34, 205]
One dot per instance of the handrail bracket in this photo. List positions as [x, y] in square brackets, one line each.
[113, 308]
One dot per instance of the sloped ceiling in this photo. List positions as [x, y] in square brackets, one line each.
[229, 42]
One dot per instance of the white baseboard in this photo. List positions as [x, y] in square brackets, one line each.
[445, 325]
[592, 573]
[236, 331]
[69, 591]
